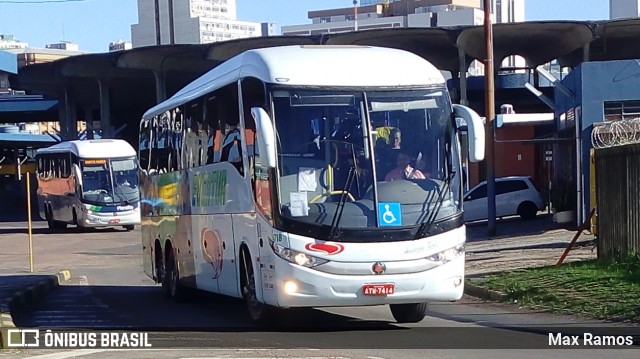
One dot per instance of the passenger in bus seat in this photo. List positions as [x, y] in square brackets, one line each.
[232, 147]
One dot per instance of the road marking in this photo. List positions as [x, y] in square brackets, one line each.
[83, 352]
[265, 358]
[69, 354]
[82, 280]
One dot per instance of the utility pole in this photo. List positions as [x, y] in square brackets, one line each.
[490, 113]
[355, 15]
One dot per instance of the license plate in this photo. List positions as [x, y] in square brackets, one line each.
[378, 289]
[114, 221]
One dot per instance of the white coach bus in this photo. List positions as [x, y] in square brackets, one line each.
[88, 183]
[309, 176]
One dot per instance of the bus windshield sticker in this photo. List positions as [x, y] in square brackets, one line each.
[390, 214]
[299, 204]
[307, 179]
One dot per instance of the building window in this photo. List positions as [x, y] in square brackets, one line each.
[325, 19]
[621, 110]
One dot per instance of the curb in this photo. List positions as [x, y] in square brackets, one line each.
[27, 296]
[483, 293]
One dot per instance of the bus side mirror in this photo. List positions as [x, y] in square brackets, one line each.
[265, 136]
[77, 173]
[475, 129]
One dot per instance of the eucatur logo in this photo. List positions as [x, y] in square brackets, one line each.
[328, 248]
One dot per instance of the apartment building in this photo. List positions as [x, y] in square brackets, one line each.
[163, 22]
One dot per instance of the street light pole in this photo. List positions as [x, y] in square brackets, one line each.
[355, 14]
[490, 113]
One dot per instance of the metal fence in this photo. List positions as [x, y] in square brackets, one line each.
[618, 199]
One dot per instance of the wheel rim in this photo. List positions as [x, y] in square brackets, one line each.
[250, 296]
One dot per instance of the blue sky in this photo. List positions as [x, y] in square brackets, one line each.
[94, 23]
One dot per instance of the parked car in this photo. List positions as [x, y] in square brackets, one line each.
[515, 195]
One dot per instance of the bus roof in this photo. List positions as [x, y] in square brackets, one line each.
[313, 65]
[104, 148]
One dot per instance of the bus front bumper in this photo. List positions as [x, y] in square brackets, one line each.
[110, 219]
[314, 288]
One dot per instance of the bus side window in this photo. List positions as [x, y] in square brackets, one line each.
[212, 124]
[231, 150]
[145, 145]
[253, 95]
[195, 135]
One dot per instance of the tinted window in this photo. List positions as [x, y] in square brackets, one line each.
[480, 192]
[503, 187]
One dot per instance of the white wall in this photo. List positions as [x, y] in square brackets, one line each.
[620, 9]
[461, 17]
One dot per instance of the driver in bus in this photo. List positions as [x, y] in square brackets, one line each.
[404, 170]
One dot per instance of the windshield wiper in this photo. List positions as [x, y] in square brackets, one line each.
[343, 199]
[426, 226]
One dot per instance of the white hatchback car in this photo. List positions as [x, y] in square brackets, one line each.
[514, 196]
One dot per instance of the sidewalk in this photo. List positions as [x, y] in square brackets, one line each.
[19, 290]
[522, 244]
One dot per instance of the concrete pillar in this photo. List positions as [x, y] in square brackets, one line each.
[105, 107]
[88, 117]
[161, 88]
[62, 113]
[585, 52]
[72, 117]
[462, 61]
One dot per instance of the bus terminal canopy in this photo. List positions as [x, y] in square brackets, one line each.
[134, 80]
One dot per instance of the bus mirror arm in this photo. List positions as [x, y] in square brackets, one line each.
[78, 174]
[266, 136]
[475, 129]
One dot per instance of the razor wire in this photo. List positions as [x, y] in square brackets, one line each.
[616, 133]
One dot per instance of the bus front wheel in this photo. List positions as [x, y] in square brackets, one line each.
[49, 217]
[258, 312]
[408, 313]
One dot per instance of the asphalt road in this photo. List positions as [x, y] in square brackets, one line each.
[109, 291]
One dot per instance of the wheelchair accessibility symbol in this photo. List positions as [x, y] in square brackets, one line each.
[389, 214]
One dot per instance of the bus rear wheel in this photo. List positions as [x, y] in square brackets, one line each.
[171, 278]
[129, 227]
[408, 313]
[258, 312]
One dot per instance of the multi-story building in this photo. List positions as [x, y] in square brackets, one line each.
[189, 22]
[119, 45]
[8, 41]
[507, 10]
[621, 9]
[64, 45]
[379, 14]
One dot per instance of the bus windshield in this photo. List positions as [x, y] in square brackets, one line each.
[109, 181]
[351, 160]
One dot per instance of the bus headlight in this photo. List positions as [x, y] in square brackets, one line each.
[447, 255]
[296, 257]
